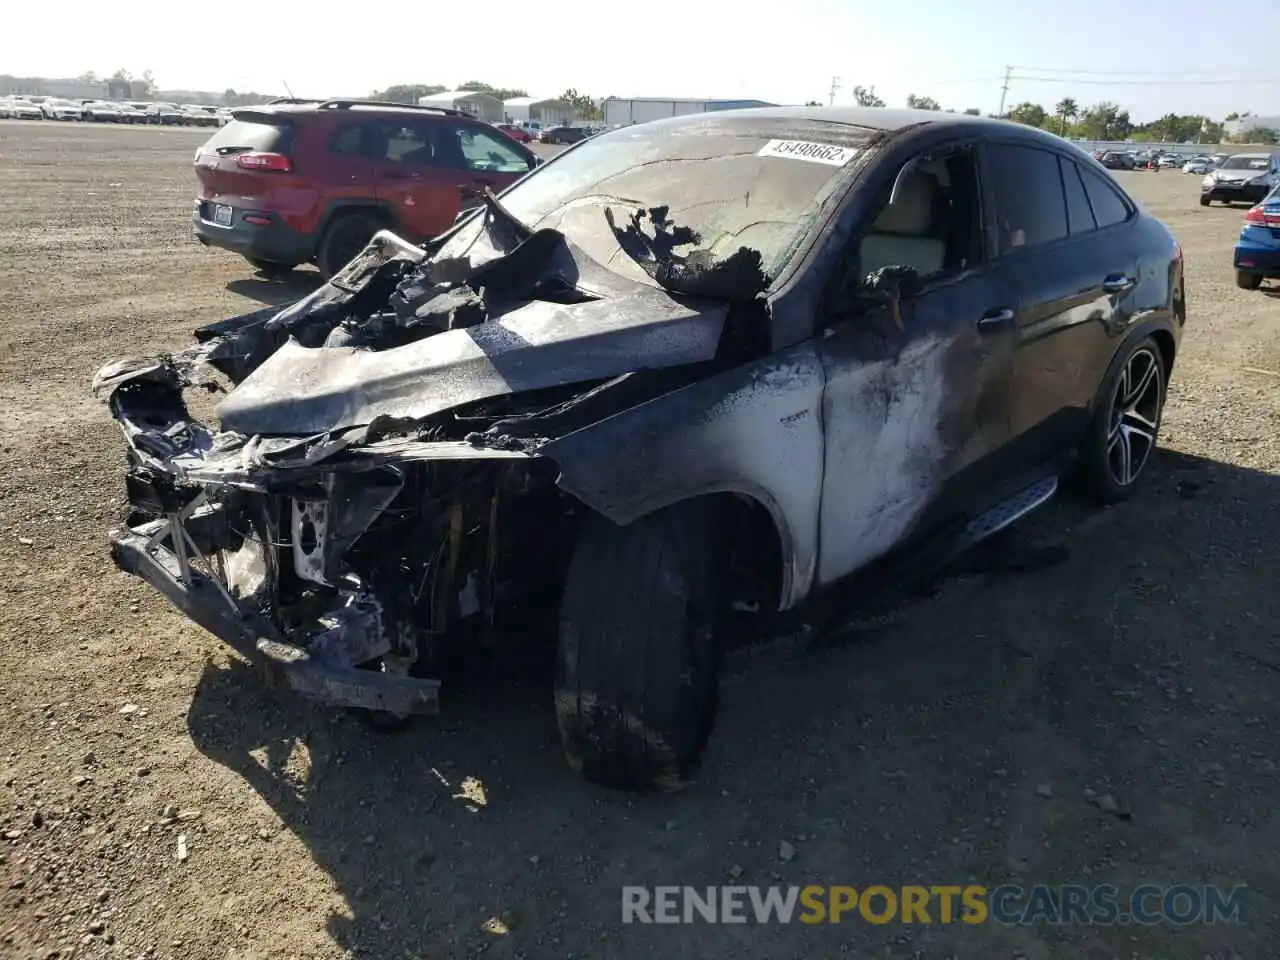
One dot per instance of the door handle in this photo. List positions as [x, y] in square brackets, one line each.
[1117, 283]
[995, 319]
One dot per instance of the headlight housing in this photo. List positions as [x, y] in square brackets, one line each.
[1207, 181]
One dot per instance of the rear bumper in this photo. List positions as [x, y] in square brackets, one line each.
[276, 242]
[321, 666]
[1245, 193]
[1255, 258]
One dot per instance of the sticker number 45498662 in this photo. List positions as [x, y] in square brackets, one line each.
[827, 153]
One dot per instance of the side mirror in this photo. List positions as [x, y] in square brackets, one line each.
[892, 286]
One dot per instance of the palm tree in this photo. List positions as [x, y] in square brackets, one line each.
[1066, 110]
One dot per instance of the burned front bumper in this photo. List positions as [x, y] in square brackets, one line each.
[323, 664]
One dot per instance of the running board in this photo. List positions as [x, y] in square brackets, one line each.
[991, 522]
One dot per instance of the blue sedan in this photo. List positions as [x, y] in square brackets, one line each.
[1257, 254]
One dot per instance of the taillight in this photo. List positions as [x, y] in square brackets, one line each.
[1256, 217]
[264, 161]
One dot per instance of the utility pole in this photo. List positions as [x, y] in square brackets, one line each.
[1004, 90]
[831, 96]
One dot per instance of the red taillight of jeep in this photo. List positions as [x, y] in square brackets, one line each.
[276, 162]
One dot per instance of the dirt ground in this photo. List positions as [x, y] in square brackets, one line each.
[958, 745]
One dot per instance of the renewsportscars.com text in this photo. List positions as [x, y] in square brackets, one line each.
[1008, 904]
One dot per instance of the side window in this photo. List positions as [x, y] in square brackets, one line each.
[404, 142]
[1079, 213]
[347, 141]
[934, 225]
[1030, 207]
[1108, 207]
[483, 152]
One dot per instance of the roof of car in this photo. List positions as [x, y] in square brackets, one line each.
[884, 119]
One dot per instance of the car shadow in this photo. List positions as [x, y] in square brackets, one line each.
[961, 741]
[276, 291]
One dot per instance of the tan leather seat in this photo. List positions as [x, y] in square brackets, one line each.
[900, 235]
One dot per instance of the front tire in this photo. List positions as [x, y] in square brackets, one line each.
[1126, 424]
[345, 238]
[636, 686]
[1248, 281]
[1205, 201]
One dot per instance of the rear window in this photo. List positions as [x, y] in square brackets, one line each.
[255, 135]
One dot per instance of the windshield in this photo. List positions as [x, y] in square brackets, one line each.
[61, 103]
[714, 185]
[1245, 163]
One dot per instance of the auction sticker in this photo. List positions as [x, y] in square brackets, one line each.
[827, 153]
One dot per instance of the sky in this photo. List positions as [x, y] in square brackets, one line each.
[1150, 58]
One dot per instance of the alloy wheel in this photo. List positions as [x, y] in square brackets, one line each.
[1135, 416]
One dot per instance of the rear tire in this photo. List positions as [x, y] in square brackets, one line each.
[347, 235]
[638, 658]
[1126, 424]
[1248, 281]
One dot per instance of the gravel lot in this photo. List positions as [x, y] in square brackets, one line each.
[960, 744]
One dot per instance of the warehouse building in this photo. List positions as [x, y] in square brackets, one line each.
[483, 106]
[621, 111]
[542, 111]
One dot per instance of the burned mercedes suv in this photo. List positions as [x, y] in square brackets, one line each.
[687, 369]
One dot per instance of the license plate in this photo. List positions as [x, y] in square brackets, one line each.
[222, 214]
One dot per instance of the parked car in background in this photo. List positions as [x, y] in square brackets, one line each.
[1170, 161]
[1198, 165]
[100, 111]
[21, 108]
[1117, 160]
[1241, 178]
[6, 110]
[712, 364]
[197, 116]
[298, 182]
[57, 109]
[130, 114]
[167, 114]
[1257, 252]
[562, 135]
[515, 132]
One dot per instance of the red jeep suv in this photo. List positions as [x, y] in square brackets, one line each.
[294, 181]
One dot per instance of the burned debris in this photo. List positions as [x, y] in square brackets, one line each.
[380, 479]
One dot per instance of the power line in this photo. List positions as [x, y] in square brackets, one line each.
[1070, 81]
[1126, 73]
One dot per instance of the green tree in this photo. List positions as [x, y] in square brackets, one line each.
[922, 103]
[1030, 114]
[502, 93]
[973, 112]
[1231, 116]
[812, 103]
[1066, 111]
[407, 92]
[1104, 121]
[583, 106]
[866, 97]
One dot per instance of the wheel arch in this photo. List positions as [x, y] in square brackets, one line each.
[337, 209]
[1166, 340]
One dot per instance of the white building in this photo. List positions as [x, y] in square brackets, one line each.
[621, 111]
[542, 111]
[482, 106]
[1244, 124]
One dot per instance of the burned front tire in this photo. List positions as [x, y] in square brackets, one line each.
[638, 656]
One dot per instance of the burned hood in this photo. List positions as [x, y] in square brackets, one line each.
[302, 390]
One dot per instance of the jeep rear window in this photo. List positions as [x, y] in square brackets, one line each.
[253, 135]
